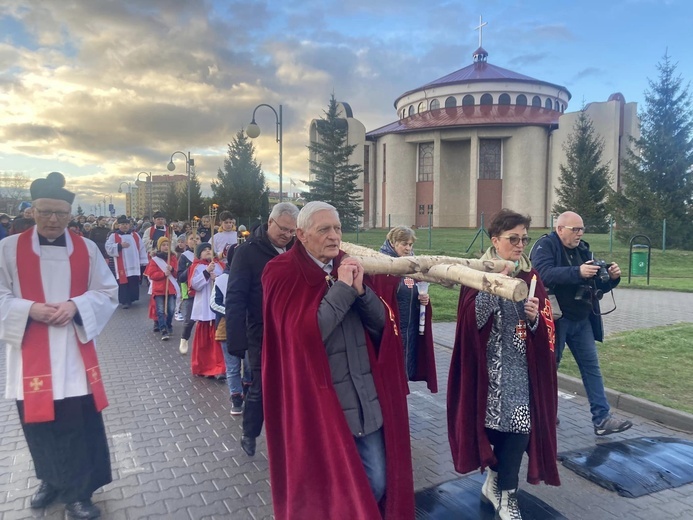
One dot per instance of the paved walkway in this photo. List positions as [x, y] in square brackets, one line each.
[635, 309]
[176, 455]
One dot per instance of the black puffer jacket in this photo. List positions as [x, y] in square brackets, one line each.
[244, 292]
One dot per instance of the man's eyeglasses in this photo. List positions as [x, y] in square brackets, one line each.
[516, 239]
[44, 213]
[575, 229]
[285, 231]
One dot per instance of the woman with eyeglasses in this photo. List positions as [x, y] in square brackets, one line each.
[502, 392]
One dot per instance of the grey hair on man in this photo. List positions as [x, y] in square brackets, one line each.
[284, 208]
[305, 216]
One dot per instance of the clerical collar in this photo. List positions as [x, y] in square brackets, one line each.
[327, 267]
[60, 241]
[123, 232]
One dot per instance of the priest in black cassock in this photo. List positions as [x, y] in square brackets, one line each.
[56, 296]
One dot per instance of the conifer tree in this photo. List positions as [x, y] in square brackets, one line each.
[197, 205]
[170, 206]
[333, 177]
[584, 180]
[657, 181]
[241, 184]
[80, 211]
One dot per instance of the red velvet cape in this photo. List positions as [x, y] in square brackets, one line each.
[385, 286]
[468, 389]
[315, 468]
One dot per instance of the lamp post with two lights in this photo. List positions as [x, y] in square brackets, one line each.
[149, 190]
[129, 192]
[189, 164]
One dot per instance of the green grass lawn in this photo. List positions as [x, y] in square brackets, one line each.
[654, 364]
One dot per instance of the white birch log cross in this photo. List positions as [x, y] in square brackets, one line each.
[482, 275]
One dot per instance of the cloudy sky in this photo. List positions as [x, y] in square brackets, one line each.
[102, 90]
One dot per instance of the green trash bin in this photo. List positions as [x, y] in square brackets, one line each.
[639, 260]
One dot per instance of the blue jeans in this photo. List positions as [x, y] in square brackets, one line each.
[372, 451]
[165, 320]
[580, 339]
[233, 371]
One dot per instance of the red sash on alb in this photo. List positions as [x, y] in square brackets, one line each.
[120, 264]
[36, 357]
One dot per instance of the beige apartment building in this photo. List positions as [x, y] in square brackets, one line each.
[145, 198]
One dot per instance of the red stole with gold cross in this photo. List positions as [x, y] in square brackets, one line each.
[120, 263]
[36, 357]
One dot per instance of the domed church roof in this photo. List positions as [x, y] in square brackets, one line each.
[478, 95]
[479, 71]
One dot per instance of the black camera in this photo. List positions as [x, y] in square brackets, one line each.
[588, 291]
[603, 273]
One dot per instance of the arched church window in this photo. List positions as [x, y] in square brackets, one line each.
[404, 113]
[435, 104]
[468, 100]
[425, 162]
[486, 99]
[504, 99]
[536, 101]
[490, 159]
[411, 110]
[521, 100]
[421, 107]
[450, 102]
[548, 104]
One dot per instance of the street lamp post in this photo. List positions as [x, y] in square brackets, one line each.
[120, 190]
[253, 130]
[189, 164]
[149, 189]
[104, 204]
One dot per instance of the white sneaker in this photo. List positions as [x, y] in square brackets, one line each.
[183, 347]
[179, 317]
[489, 491]
[508, 509]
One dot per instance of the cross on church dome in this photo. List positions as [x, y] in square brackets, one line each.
[480, 27]
[480, 55]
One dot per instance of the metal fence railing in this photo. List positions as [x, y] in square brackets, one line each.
[453, 233]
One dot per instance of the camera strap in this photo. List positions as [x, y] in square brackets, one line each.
[609, 311]
[568, 256]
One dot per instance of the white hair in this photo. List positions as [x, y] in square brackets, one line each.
[305, 216]
[284, 208]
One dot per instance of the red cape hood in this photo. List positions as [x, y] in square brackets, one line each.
[315, 468]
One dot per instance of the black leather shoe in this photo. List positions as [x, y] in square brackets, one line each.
[44, 496]
[83, 510]
[248, 445]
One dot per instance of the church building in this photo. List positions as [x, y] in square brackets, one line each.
[475, 141]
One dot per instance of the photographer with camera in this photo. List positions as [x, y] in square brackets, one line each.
[578, 281]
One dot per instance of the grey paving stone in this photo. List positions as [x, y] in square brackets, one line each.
[181, 457]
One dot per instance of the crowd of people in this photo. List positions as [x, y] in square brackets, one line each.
[311, 347]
